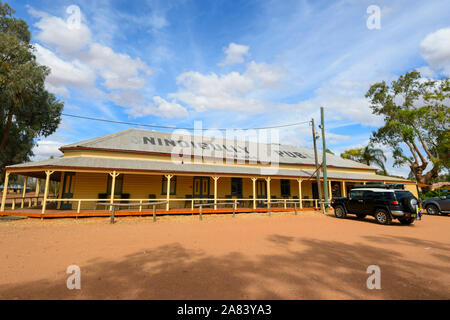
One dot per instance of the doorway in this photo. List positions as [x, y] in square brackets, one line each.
[67, 192]
[201, 188]
[261, 193]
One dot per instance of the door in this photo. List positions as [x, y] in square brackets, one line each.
[315, 191]
[201, 188]
[336, 189]
[355, 202]
[67, 190]
[445, 204]
[261, 193]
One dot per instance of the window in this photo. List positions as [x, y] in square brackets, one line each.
[117, 185]
[356, 194]
[285, 188]
[236, 187]
[403, 194]
[173, 186]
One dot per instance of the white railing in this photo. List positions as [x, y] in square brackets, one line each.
[141, 202]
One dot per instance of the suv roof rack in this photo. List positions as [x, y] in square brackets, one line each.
[379, 185]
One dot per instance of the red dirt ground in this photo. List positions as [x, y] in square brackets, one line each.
[253, 256]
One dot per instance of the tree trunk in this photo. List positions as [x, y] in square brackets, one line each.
[427, 178]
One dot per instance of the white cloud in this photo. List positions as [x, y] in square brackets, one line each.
[169, 109]
[119, 71]
[76, 61]
[45, 149]
[435, 48]
[64, 73]
[232, 91]
[56, 32]
[159, 107]
[235, 54]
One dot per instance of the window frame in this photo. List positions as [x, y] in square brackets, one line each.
[173, 186]
[118, 185]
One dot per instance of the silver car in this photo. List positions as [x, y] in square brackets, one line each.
[438, 205]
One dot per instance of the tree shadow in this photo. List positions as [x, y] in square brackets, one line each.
[300, 269]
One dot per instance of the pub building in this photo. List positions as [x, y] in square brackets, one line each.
[137, 166]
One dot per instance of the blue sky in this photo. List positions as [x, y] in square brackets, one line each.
[231, 63]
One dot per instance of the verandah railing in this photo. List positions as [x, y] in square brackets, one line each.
[140, 203]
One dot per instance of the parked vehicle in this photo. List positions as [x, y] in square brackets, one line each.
[380, 202]
[437, 205]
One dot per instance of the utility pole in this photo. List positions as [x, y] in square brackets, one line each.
[324, 162]
[317, 165]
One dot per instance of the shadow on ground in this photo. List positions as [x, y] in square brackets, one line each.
[302, 269]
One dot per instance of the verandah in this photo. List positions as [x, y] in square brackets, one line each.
[245, 192]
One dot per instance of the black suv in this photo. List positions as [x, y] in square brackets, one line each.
[382, 203]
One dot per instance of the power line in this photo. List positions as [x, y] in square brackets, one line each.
[175, 127]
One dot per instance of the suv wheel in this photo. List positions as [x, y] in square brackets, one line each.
[339, 212]
[432, 209]
[382, 216]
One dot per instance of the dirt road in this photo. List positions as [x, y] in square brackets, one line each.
[309, 256]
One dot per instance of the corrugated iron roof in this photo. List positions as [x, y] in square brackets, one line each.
[139, 140]
[71, 163]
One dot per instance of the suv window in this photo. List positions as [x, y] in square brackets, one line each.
[403, 194]
[370, 195]
[356, 194]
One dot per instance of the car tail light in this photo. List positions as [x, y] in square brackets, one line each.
[394, 202]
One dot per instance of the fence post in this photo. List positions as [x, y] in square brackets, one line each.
[268, 206]
[234, 208]
[140, 207]
[295, 208]
[200, 212]
[285, 203]
[154, 213]
[79, 206]
[112, 213]
[13, 206]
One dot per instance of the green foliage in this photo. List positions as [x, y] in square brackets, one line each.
[367, 155]
[433, 193]
[415, 112]
[28, 111]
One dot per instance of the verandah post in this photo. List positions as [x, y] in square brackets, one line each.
[300, 193]
[254, 192]
[24, 191]
[48, 173]
[5, 191]
[330, 193]
[268, 193]
[113, 185]
[215, 191]
[38, 187]
[168, 177]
